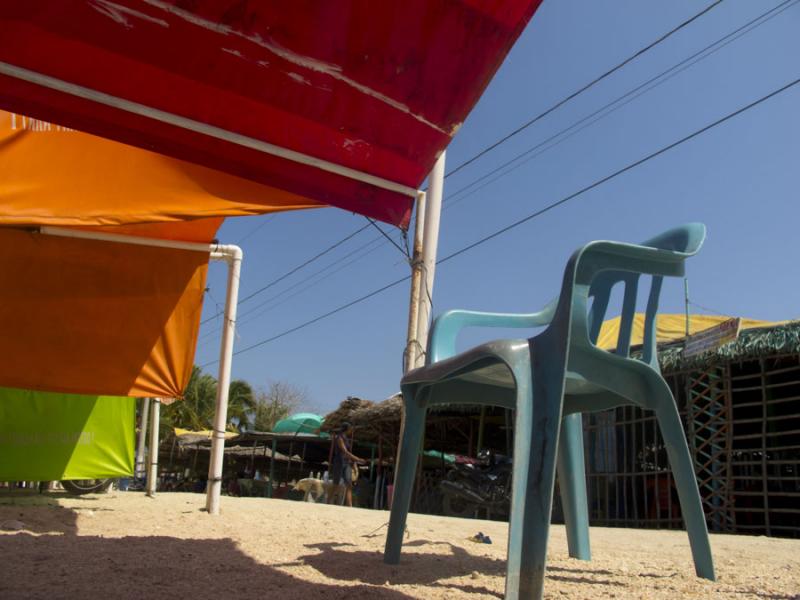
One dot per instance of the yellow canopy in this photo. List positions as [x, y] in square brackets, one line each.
[203, 433]
[669, 328]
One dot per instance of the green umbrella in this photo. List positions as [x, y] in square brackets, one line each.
[299, 423]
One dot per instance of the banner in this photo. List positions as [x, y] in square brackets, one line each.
[98, 318]
[47, 436]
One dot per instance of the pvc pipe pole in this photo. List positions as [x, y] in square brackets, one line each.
[412, 343]
[430, 245]
[152, 471]
[233, 255]
[149, 112]
[140, 471]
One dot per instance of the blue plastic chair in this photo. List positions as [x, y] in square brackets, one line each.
[549, 380]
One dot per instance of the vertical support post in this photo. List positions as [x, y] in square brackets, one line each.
[481, 425]
[233, 256]
[152, 471]
[764, 466]
[139, 471]
[430, 241]
[412, 344]
[289, 463]
[424, 268]
[371, 461]
[686, 302]
[272, 468]
[379, 475]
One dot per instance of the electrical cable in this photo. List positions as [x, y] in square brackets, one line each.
[293, 271]
[578, 92]
[529, 217]
[255, 229]
[254, 312]
[507, 137]
[628, 97]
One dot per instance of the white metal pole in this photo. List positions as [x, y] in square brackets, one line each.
[430, 245]
[233, 255]
[139, 472]
[152, 472]
[412, 344]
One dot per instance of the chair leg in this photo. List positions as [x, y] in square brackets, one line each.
[572, 483]
[536, 441]
[406, 466]
[683, 470]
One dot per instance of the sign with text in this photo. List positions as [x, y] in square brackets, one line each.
[713, 337]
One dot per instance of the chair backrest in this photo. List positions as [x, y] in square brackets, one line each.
[684, 241]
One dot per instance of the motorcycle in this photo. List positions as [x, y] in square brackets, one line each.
[79, 487]
[485, 485]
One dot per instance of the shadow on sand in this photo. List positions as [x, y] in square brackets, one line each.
[68, 566]
[336, 561]
[48, 560]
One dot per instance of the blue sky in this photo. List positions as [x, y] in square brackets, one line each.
[741, 179]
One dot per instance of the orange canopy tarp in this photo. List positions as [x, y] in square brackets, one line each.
[90, 317]
[54, 176]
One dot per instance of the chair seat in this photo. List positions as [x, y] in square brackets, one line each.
[483, 365]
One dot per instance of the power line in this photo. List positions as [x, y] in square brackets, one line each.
[274, 305]
[292, 271]
[576, 93]
[616, 173]
[529, 217]
[319, 318]
[507, 137]
[706, 308]
[247, 315]
[404, 251]
[255, 229]
[589, 119]
[306, 263]
[628, 97]
[618, 103]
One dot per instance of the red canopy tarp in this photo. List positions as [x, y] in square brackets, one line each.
[376, 87]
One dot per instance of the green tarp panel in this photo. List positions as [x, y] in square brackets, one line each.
[48, 436]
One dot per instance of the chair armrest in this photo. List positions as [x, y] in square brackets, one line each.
[662, 255]
[618, 256]
[446, 327]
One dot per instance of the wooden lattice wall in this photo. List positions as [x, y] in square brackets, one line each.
[743, 426]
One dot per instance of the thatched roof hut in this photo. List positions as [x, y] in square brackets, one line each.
[366, 416]
[751, 344]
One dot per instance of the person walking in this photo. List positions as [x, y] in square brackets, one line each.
[342, 464]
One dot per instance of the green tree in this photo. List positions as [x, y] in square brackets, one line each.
[277, 402]
[196, 410]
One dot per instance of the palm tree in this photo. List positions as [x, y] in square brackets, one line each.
[241, 403]
[196, 410]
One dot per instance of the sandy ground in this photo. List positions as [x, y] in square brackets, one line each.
[123, 545]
